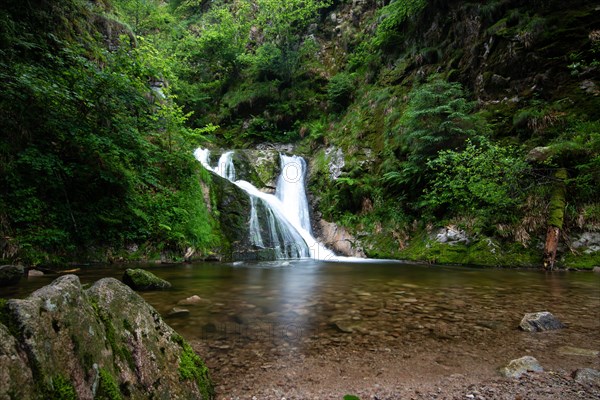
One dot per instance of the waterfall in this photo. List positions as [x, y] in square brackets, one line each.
[290, 190]
[280, 222]
[224, 166]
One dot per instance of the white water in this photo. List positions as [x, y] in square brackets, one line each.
[290, 190]
[286, 222]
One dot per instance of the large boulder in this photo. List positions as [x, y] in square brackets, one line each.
[140, 279]
[103, 342]
[11, 274]
[339, 239]
[540, 321]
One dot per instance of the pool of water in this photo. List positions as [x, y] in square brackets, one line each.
[452, 317]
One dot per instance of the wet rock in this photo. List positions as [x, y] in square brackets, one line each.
[34, 273]
[597, 270]
[81, 341]
[140, 279]
[575, 351]
[587, 376]
[540, 321]
[178, 312]
[11, 274]
[520, 366]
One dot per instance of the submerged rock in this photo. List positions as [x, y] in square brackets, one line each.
[540, 321]
[140, 279]
[192, 301]
[576, 351]
[520, 366]
[103, 342]
[178, 312]
[11, 274]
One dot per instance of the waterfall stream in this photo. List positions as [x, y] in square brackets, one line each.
[281, 221]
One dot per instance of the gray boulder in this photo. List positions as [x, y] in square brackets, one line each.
[11, 274]
[587, 376]
[520, 366]
[103, 342]
[140, 279]
[540, 321]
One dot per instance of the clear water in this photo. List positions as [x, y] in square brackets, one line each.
[302, 308]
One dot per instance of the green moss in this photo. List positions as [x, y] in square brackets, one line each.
[484, 252]
[107, 387]
[557, 201]
[191, 367]
[60, 388]
[581, 261]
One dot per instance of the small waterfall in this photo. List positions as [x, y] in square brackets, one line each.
[280, 222]
[224, 167]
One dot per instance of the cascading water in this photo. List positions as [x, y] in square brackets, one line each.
[281, 221]
[291, 191]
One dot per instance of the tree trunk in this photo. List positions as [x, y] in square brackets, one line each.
[555, 218]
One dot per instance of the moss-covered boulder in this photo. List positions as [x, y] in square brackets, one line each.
[140, 279]
[103, 342]
[11, 274]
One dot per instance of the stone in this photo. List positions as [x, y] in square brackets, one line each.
[576, 351]
[338, 239]
[192, 301]
[86, 342]
[11, 274]
[597, 270]
[140, 279]
[15, 374]
[520, 366]
[178, 312]
[451, 235]
[540, 321]
[587, 376]
[34, 273]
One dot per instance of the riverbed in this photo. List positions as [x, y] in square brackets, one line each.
[311, 329]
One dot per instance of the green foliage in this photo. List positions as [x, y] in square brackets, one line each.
[393, 16]
[92, 156]
[107, 387]
[438, 117]
[484, 178]
[339, 90]
[351, 397]
[60, 389]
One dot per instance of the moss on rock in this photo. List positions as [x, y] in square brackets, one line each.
[140, 279]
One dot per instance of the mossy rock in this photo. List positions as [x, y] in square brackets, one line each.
[105, 342]
[140, 279]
